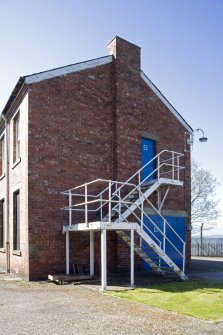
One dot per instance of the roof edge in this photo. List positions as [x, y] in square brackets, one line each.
[60, 71]
[13, 95]
[165, 101]
[63, 71]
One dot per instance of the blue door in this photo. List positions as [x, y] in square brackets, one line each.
[179, 226]
[148, 148]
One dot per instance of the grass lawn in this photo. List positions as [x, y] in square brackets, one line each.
[200, 299]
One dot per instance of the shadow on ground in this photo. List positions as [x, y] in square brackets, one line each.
[206, 268]
[208, 271]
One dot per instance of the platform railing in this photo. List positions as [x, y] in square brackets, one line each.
[105, 198]
[161, 242]
[167, 166]
[96, 202]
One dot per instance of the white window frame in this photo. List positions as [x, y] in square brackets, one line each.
[2, 198]
[16, 188]
[16, 137]
[3, 153]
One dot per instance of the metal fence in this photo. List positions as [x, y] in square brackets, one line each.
[207, 249]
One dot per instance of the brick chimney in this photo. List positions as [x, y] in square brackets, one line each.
[126, 54]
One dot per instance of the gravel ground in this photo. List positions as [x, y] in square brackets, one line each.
[46, 308]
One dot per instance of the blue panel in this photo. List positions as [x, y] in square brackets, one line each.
[148, 152]
[178, 224]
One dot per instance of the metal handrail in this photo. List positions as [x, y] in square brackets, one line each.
[113, 196]
[105, 200]
[153, 159]
[97, 198]
[155, 170]
[94, 182]
[164, 220]
[126, 203]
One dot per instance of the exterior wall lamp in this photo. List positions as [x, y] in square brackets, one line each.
[189, 139]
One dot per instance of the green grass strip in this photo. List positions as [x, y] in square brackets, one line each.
[199, 299]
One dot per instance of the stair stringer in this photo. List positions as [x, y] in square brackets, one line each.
[139, 252]
[138, 202]
[160, 252]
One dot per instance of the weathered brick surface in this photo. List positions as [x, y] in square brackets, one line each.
[18, 179]
[70, 143]
[77, 128]
[139, 109]
[2, 196]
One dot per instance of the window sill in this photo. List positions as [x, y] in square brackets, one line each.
[16, 163]
[2, 250]
[17, 253]
[2, 176]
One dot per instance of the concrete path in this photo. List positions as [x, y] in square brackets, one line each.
[208, 268]
[46, 308]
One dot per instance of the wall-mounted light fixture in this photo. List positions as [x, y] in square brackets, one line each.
[189, 138]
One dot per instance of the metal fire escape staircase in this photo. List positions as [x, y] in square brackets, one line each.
[124, 207]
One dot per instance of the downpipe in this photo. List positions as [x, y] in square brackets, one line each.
[7, 244]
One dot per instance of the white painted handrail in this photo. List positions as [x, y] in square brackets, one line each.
[116, 195]
[160, 163]
[163, 233]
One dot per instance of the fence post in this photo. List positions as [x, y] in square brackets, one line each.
[212, 249]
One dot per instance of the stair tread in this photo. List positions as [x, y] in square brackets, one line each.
[156, 258]
[147, 259]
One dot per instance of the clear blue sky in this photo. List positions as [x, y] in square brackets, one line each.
[181, 41]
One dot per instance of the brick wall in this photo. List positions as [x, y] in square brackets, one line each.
[139, 110]
[18, 180]
[77, 128]
[84, 126]
[2, 196]
[70, 143]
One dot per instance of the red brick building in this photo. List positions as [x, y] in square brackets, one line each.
[68, 126]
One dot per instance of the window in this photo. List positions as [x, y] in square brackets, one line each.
[2, 223]
[2, 155]
[16, 138]
[16, 220]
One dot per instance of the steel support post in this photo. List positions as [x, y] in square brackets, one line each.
[70, 208]
[103, 260]
[173, 166]
[132, 258]
[86, 205]
[67, 254]
[91, 252]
